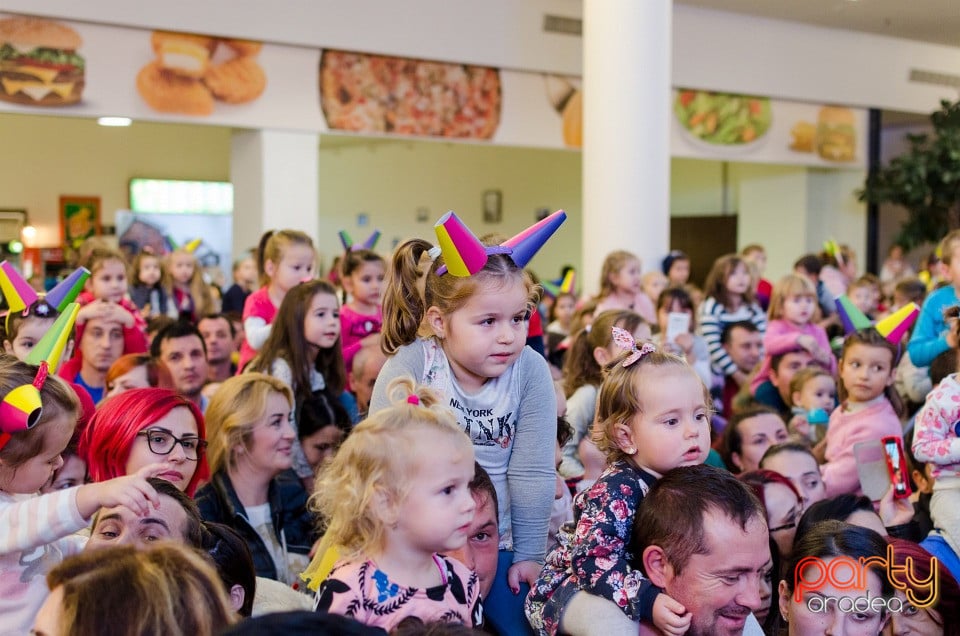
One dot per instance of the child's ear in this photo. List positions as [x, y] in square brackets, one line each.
[795, 398]
[8, 346]
[735, 460]
[347, 283]
[784, 596]
[437, 322]
[655, 564]
[385, 508]
[602, 356]
[270, 268]
[623, 436]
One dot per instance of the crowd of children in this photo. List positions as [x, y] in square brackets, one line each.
[370, 406]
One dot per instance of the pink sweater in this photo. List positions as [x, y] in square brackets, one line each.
[934, 439]
[36, 535]
[258, 311]
[869, 423]
[781, 337]
[354, 327]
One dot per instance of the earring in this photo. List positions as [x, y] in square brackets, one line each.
[630, 451]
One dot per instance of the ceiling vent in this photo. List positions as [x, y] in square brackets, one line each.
[561, 24]
[931, 77]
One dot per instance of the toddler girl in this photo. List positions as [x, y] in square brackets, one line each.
[869, 408]
[589, 351]
[147, 291]
[791, 325]
[653, 414]
[935, 441]
[621, 286]
[285, 258]
[463, 333]
[730, 299]
[653, 285]
[304, 351]
[105, 298]
[813, 394]
[687, 344]
[361, 272]
[189, 295]
[561, 319]
[393, 499]
[38, 529]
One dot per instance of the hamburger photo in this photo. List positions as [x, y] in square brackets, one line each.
[39, 64]
[836, 137]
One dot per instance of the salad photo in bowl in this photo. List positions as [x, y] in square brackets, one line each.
[722, 119]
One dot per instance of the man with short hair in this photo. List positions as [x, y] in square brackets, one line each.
[177, 519]
[701, 536]
[481, 551]
[218, 337]
[101, 344]
[743, 342]
[180, 346]
[775, 392]
[366, 367]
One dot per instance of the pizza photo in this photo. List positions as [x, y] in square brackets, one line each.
[382, 94]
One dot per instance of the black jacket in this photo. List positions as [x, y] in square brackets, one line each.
[294, 526]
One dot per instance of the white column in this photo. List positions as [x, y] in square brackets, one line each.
[626, 131]
[275, 177]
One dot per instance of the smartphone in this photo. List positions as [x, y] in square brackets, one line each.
[897, 466]
[678, 322]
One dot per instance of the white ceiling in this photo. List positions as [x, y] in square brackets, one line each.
[933, 21]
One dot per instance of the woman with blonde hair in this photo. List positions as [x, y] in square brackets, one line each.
[168, 590]
[252, 488]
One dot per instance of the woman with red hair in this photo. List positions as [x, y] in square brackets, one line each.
[929, 621]
[145, 426]
[137, 371]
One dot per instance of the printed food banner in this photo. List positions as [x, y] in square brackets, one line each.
[92, 70]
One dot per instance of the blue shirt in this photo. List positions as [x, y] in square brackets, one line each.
[96, 393]
[936, 545]
[929, 336]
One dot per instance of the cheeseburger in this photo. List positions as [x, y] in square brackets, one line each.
[836, 138]
[39, 65]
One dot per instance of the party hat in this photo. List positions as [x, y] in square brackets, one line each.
[896, 324]
[550, 288]
[371, 240]
[569, 280]
[20, 410]
[345, 240]
[68, 289]
[192, 246]
[831, 247]
[172, 245]
[51, 346]
[527, 243]
[15, 289]
[853, 319]
[463, 253]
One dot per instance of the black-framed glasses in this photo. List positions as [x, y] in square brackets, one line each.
[162, 442]
[786, 526]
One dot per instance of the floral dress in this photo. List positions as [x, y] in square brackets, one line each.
[595, 556]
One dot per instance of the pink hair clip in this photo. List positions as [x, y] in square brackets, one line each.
[413, 399]
[624, 340]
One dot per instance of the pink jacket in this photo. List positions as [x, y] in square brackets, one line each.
[846, 429]
[781, 337]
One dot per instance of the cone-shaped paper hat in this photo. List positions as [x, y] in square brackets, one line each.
[192, 246]
[371, 240]
[171, 244]
[15, 289]
[527, 243]
[51, 346]
[20, 410]
[68, 289]
[345, 239]
[569, 282]
[896, 324]
[853, 319]
[463, 253]
[550, 288]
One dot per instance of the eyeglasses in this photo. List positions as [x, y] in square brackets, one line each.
[786, 526]
[162, 442]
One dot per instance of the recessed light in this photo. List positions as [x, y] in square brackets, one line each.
[114, 121]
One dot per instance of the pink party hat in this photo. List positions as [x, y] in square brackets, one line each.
[371, 240]
[463, 253]
[15, 289]
[51, 345]
[527, 243]
[568, 284]
[896, 324]
[68, 289]
[345, 239]
[853, 319]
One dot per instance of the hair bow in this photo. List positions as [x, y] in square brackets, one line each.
[624, 340]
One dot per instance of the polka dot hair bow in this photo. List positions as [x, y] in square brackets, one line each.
[624, 340]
